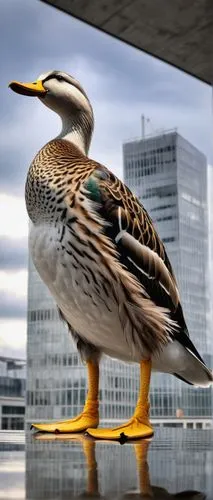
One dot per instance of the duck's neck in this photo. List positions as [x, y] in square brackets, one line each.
[78, 130]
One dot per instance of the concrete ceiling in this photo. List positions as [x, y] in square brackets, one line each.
[179, 32]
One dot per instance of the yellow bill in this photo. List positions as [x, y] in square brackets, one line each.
[28, 88]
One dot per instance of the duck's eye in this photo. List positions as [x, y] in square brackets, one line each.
[59, 77]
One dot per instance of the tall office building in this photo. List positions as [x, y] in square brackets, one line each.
[210, 269]
[169, 176]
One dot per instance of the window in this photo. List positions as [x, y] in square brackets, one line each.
[161, 192]
[168, 217]
[168, 240]
[13, 410]
[12, 423]
[172, 424]
[42, 315]
[12, 387]
[163, 207]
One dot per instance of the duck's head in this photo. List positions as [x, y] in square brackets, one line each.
[63, 94]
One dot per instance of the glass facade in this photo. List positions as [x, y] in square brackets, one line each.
[169, 176]
[210, 268]
[12, 393]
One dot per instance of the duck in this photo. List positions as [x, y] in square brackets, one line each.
[95, 247]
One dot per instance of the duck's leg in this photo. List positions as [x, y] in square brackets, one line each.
[90, 415]
[141, 451]
[139, 425]
[92, 470]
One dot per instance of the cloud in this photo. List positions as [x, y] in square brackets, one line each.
[121, 81]
[13, 254]
[13, 290]
[14, 220]
[12, 306]
[13, 337]
[14, 282]
[117, 118]
[13, 233]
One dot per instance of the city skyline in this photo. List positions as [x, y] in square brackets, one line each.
[117, 78]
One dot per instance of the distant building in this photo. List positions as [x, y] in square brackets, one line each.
[12, 393]
[169, 176]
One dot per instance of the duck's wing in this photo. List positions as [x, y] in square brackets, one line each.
[131, 229]
[139, 247]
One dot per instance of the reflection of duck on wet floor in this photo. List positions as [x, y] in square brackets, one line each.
[144, 489]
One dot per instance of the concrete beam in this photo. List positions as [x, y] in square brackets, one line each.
[179, 32]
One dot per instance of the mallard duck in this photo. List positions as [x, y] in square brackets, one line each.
[95, 247]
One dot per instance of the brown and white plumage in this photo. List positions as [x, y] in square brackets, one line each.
[96, 248]
[83, 247]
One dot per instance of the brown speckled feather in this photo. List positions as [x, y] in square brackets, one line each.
[65, 185]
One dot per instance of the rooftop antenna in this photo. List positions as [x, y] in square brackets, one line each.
[142, 126]
[144, 120]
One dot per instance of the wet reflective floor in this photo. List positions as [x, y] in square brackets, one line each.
[175, 464]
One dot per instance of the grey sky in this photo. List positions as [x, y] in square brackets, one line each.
[16, 254]
[12, 307]
[122, 83]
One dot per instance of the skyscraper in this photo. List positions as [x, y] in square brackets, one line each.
[210, 270]
[169, 176]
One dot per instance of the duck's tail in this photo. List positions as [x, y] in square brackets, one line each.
[194, 370]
